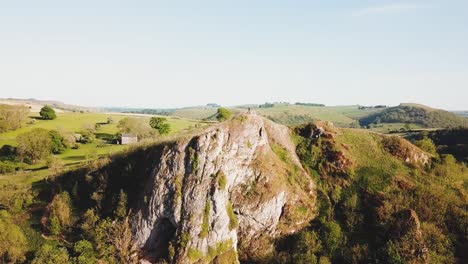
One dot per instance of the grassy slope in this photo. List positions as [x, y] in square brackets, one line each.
[367, 201]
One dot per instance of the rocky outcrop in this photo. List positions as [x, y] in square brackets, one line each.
[238, 183]
[405, 150]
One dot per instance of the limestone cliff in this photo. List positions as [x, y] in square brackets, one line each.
[224, 194]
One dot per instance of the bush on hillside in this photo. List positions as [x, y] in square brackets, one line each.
[12, 117]
[160, 124]
[47, 113]
[223, 114]
[13, 243]
[34, 145]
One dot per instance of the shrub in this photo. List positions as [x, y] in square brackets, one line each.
[160, 124]
[51, 254]
[58, 145]
[206, 220]
[194, 254]
[178, 188]
[87, 137]
[223, 114]
[427, 145]
[60, 216]
[7, 167]
[34, 145]
[85, 252]
[47, 113]
[7, 150]
[233, 222]
[12, 117]
[222, 181]
[13, 243]
[136, 126]
[331, 236]
[121, 208]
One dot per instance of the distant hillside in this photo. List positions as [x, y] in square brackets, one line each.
[35, 105]
[462, 113]
[288, 114]
[415, 114]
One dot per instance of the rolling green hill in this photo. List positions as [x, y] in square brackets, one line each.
[415, 114]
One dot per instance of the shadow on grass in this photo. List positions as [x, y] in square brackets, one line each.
[105, 136]
[75, 158]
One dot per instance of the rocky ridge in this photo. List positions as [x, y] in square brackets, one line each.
[224, 194]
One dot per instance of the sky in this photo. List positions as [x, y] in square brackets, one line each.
[164, 54]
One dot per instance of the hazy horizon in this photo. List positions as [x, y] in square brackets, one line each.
[156, 54]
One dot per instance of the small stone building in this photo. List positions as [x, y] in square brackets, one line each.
[128, 139]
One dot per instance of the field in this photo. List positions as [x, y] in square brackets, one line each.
[74, 122]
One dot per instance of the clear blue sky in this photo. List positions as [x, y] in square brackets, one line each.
[177, 53]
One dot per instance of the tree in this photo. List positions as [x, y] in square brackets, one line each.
[12, 117]
[121, 237]
[58, 144]
[331, 236]
[427, 145]
[55, 165]
[51, 254]
[13, 244]
[223, 114]
[89, 222]
[47, 113]
[136, 126]
[34, 145]
[160, 124]
[60, 216]
[85, 252]
[121, 210]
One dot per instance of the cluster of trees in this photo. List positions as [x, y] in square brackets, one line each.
[266, 105]
[309, 104]
[39, 143]
[13, 243]
[150, 111]
[12, 117]
[361, 107]
[160, 124]
[95, 240]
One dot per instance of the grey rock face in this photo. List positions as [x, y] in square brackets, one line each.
[208, 193]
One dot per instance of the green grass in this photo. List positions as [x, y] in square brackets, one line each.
[366, 150]
[74, 122]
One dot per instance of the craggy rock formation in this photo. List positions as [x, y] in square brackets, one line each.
[224, 195]
[405, 150]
